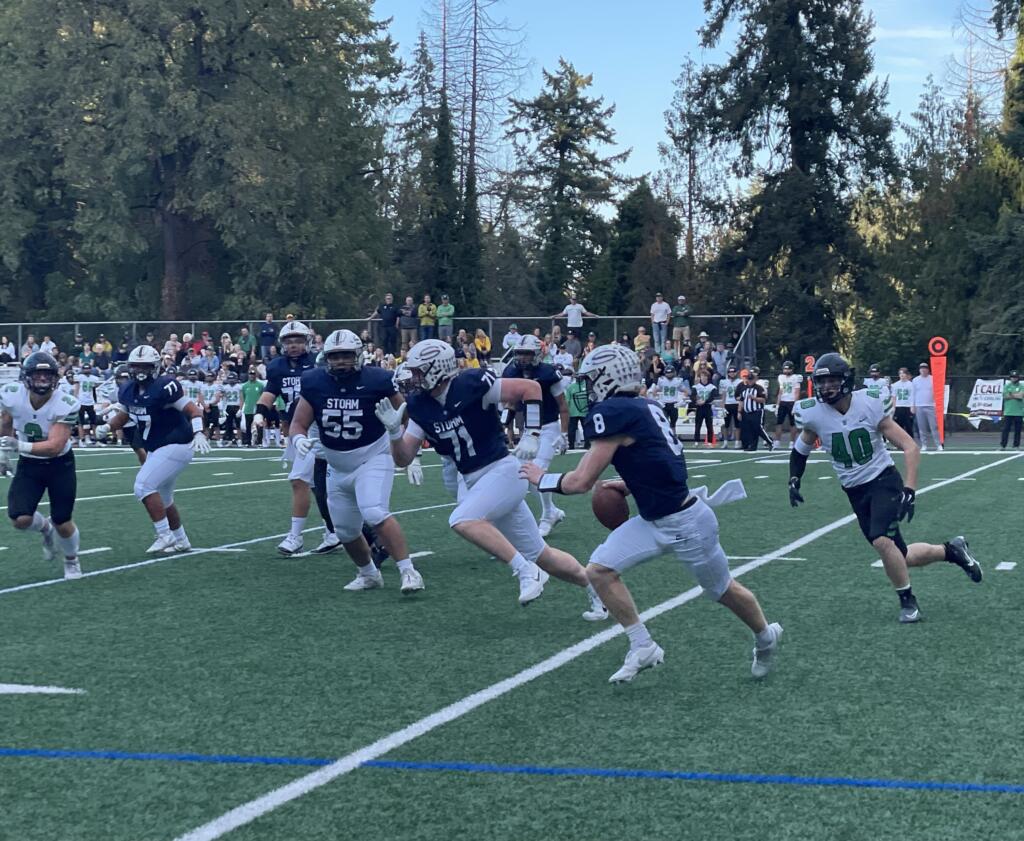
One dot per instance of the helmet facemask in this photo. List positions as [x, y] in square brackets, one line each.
[141, 372]
[42, 382]
[342, 363]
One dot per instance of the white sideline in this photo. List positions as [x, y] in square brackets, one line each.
[248, 812]
[226, 547]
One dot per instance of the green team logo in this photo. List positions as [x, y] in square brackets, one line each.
[859, 449]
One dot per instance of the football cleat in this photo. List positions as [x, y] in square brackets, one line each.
[531, 584]
[549, 522]
[638, 659]
[71, 569]
[963, 558]
[597, 612]
[366, 582]
[412, 581]
[49, 534]
[182, 545]
[909, 611]
[163, 543]
[764, 658]
[291, 544]
[330, 543]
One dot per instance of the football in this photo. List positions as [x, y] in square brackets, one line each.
[610, 506]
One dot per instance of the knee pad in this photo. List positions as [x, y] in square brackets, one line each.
[374, 515]
[142, 490]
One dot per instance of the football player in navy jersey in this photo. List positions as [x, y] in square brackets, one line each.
[284, 380]
[554, 416]
[171, 430]
[459, 416]
[341, 400]
[632, 434]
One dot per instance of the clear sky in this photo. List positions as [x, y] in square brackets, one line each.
[634, 49]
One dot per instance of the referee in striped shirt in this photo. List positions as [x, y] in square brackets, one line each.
[751, 397]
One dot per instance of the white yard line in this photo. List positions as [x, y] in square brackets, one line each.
[1005, 566]
[26, 689]
[95, 551]
[223, 474]
[226, 547]
[248, 812]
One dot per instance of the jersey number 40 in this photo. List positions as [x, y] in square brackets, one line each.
[859, 450]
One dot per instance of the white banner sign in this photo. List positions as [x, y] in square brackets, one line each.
[986, 401]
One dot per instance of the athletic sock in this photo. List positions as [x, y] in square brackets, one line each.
[519, 563]
[638, 635]
[297, 524]
[69, 545]
[179, 533]
[404, 566]
[162, 527]
[766, 637]
[368, 571]
[950, 555]
[547, 502]
[39, 523]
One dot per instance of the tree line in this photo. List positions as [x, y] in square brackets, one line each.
[215, 158]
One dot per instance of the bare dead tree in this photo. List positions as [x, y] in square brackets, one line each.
[978, 74]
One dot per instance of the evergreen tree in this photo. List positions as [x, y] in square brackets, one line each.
[565, 180]
[797, 99]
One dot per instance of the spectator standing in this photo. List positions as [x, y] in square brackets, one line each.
[642, 340]
[576, 398]
[8, 352]
[387, 314]
[445, 318]
[511, 338]
[1013, 411]
[47, 345]
[681, 320]
[268, 336]
[252, 388]
[660, 314]
[573, 314]
[408, 324]
[903, 400]
[246, 341]
[572, 346]
[427, 315]
[924, 409]
[29, 347]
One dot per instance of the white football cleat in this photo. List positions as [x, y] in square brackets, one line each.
[597, 613]
[924, 448]
[638, 659]
[412, 581]
[330, 543]
[531, 584]
[549, 522]
[72, 569]
[49, 542]
[183, 545]
[163, 543]
[367, 582]
[764, 658]
[291, 544]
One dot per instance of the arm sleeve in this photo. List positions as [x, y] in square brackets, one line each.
[181, 403]
[558, 387]
[415, 430]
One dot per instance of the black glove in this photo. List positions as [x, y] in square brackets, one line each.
[794, 491]
[907, 499]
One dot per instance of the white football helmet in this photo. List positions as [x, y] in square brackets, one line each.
[611, 369]
[295, 329]
[402, 378]
[343, 342]
[430, 362]
[143, 363]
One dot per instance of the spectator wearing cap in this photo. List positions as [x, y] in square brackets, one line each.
[573, 313]
[512, 337]
[681, 320]
[563, 359]
[445, 318]
[268, 336]
[572, 346]
[209, 362]
[427, 315]
[121, 354]
[924, 409]
[1013, 411]
[591, 344]
[660, 314]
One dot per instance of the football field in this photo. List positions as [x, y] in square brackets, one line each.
[232, 692]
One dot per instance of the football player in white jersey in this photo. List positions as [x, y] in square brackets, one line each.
[36, 421]
[789, 393]
[877, 381]
[853, 426]
[85, 391]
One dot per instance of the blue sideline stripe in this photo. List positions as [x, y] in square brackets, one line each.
[531, 770]
[695, 776]
[214, 759]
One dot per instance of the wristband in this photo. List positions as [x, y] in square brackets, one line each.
[25, 447]
[533, 414]
[197, 425]
[396, 434]
[551, 483]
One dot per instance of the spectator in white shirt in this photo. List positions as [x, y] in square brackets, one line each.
[573, 313]
[923, 409]
[660, 312]
[512, 337]
[47, 345]
[8, 352]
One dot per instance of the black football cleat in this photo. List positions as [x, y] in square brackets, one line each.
[959, 553]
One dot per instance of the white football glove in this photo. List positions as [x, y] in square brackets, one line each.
[388, 415]
[8, 444]
[529, 445]
[303, 445]
[200, 444]
[414, 472]
[102, 432]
